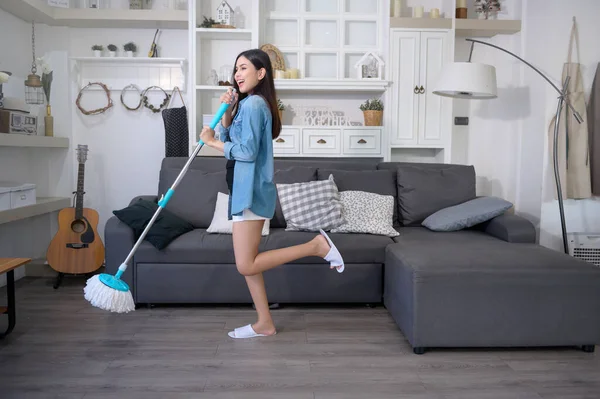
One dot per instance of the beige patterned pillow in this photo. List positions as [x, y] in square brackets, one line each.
[367, 213]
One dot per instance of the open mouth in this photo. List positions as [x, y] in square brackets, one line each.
[240, 83]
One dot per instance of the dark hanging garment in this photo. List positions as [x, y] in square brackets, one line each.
[176, 129]
[593, 112]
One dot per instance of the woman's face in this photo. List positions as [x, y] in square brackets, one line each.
[247, 76]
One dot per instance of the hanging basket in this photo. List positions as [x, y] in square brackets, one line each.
[373, 118]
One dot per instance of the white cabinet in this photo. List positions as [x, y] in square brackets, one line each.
[418, 117]
[329, 142]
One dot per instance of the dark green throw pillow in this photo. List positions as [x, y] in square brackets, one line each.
[165, 229]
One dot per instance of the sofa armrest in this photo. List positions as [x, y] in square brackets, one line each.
[152, 198]
[511, 228]
[118, 241]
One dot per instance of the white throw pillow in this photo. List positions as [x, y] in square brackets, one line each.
[220, 224]
[367, 213]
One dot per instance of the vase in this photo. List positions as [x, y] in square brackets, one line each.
[129, 53]
[97, 53]
[48, 123]
[113, 53]
[373, 118]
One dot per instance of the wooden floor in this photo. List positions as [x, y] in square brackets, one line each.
[64, 348]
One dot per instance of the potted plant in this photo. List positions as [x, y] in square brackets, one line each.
[97, 49]
[280, 108]
[372, 111]
[130, 48]
[112, 50]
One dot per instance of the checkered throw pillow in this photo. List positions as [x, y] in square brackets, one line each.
[311, 206]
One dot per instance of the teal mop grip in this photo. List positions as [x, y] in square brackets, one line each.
[216, 118]
[163, 201]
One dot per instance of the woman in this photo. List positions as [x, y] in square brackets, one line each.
[250, 125]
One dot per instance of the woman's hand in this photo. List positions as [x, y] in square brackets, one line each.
[230, 97]
[207, 135]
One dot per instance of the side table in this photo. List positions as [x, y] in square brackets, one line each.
[8, 266]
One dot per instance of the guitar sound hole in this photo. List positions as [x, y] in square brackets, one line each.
[78, 226]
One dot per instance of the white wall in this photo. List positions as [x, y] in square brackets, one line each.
[507, 138]
[125, 147]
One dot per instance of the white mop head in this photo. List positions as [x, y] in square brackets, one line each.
[107, 298]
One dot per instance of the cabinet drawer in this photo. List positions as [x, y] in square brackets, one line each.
[321, 141]
[288, 142]
[362, 141]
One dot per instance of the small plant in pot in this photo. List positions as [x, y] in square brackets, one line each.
[112, 50]
[97, 49]
[372, 111]
[280, 108]
[130, 48]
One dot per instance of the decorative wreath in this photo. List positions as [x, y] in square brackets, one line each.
[138, 90]
[94, 111]
[152, 107]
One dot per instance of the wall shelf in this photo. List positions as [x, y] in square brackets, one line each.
[420, 23]
[44, 205]
[40, 12]
[118, 72]
[23, 140]
[224, 34]
[486, 28]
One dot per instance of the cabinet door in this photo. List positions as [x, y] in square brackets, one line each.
[405, 75]
[433, 109]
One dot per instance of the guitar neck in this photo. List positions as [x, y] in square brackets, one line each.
[79, 197]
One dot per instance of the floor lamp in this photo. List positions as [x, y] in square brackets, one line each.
[475, 81]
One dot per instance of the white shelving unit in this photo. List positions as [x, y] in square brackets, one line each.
[24, 140]
[118, 72]
[322, 39]
[40, 12]
[42, 206]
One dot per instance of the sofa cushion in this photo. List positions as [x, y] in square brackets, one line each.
[381, 182]
[311, 206]
[467, 214]
[355, 248]
[197, 246]
[196, 195]
[423, 190]
[287, 175]
[165, 228]
[221, 224]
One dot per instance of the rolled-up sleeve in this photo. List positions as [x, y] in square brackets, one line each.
[223, 132]
[253, 121]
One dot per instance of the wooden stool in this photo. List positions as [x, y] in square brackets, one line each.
[8, 266]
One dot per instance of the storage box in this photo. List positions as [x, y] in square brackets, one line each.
[14, 195]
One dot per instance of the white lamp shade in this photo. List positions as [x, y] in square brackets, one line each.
[467, 80]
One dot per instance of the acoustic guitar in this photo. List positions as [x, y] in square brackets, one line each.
[76, 247]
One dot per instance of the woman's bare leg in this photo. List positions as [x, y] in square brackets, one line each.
[246, 238]
[251, 264]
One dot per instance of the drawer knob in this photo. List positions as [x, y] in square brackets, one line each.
[362, 141]
[321, 141]
[280, 140]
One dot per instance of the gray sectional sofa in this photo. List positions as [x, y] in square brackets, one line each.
[488, 285]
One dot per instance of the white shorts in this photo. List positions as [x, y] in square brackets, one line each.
[247, 215]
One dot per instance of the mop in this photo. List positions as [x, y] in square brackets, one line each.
[109, 292]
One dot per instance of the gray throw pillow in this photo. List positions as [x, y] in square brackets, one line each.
[467, 214]
[311, 206]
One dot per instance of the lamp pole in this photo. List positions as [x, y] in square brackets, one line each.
[561, 99]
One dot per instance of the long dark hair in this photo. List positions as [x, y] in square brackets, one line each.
[265, 87]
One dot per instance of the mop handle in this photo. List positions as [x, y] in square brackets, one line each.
[165, 199]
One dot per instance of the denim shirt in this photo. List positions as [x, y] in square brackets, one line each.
[248, 140]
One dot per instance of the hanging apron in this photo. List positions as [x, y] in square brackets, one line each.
[573, 149]
[594, 132]
[176, 129]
